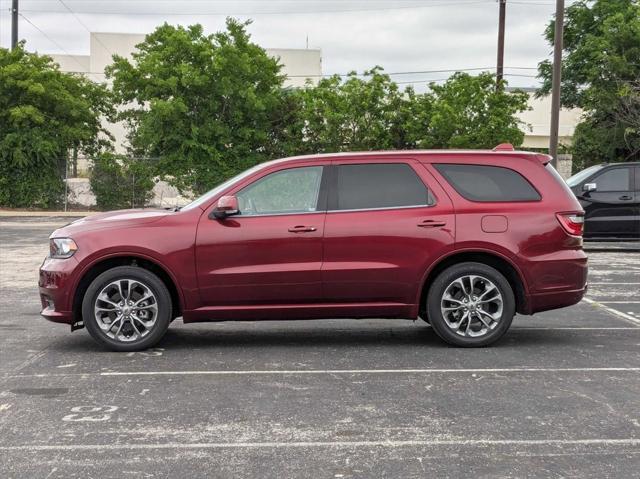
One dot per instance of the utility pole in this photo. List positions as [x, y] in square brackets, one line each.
[555, 83]
[499, 69]
[14, 24]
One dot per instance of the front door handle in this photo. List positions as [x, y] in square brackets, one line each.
[302, 229]
[625, 197]
[432, 224]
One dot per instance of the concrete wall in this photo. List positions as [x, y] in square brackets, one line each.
[564, 165]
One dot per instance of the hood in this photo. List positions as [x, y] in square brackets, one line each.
[111, 219]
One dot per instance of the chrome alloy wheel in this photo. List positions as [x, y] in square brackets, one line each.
[471, 306]
[126, 310]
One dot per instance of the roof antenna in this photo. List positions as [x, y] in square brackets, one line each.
[307, 41]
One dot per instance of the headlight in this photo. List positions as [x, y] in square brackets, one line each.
[62, 248]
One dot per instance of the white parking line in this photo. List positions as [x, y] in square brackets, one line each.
[300, 372]
[359, 371]
[604, 301]
[613, 311]
[575, 328]
[605, 283]
[323, 444]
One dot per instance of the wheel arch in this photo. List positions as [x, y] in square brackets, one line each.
[103, 264]
[503, 265]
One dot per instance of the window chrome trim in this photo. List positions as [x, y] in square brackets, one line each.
[279, 214]
[383, 208]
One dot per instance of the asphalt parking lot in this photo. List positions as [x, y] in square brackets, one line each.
[559, 396]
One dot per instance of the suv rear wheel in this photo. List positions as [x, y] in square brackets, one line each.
[470, 305]
[127, 308]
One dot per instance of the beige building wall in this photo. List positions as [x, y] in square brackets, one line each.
[538, 122]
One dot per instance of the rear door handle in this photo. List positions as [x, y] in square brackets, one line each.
[431, 224]
[302, 229]
[625, 197]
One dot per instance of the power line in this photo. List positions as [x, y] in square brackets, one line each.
[418, 72]
[445, 79]
[50, 39]
[291, 12]
[85, 27]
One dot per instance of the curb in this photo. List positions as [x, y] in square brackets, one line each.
[9, 214]
[611, 246]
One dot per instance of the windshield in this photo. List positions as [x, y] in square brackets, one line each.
[220, 188]
[582, 175]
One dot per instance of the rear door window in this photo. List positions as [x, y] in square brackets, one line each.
[379, 185]
[488, 183]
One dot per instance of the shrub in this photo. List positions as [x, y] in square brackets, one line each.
[121, 182]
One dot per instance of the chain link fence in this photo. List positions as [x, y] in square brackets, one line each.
[92, 184]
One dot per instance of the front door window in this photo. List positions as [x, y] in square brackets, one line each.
[291, 191]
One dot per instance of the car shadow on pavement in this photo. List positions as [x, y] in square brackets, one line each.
[233, 335]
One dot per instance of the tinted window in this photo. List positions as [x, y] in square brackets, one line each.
[379, 185]
[583, 175]
[616, 179]
[488, 183]
[288, 191]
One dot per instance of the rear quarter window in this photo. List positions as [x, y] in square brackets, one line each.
[488, 183]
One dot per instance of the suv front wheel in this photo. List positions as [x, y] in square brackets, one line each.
[127, 308]
[470, 305]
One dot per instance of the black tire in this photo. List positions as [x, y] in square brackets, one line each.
[445, 279]
[150, 281]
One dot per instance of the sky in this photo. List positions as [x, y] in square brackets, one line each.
[400, 36]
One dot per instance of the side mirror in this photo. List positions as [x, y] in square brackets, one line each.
[227, 206]
[587, 187]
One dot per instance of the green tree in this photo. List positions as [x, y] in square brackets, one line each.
[43, 114]
[206, 106]
[601, 62]
[355, 114]
[372, 113]
[468, 112]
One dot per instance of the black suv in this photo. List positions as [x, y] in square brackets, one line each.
[610, 196]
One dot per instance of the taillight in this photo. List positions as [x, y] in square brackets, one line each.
[573, 223]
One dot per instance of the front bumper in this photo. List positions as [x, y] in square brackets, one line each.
[55, 284]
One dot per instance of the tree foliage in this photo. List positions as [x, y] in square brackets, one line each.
[372, 113]
[469, 112]
[43, 114]
[601, 63]
[206, 106]
[359, 113]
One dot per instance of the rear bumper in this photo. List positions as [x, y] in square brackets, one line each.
[55, 287]
[557, 280]
[558, 299]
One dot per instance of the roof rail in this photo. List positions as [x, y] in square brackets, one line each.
[504, 147]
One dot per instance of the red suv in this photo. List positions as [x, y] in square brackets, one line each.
[461, 239]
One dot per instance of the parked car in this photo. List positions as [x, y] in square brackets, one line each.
[461, 239]
[610, 196]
